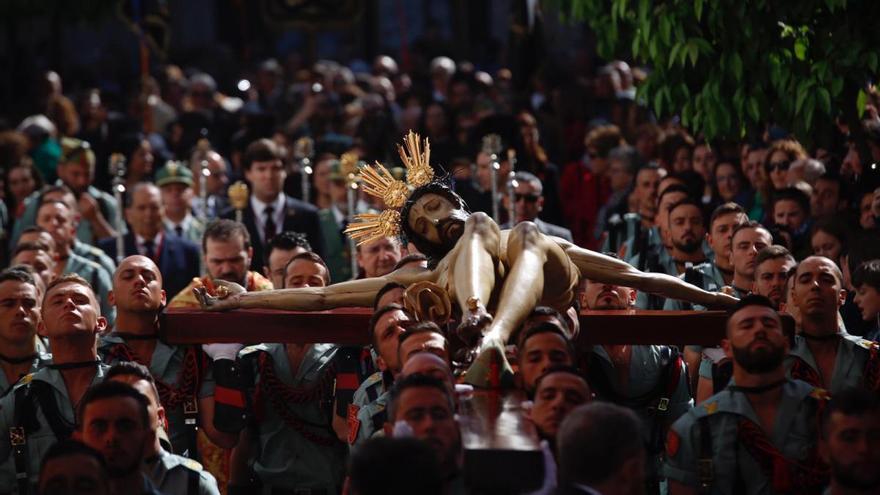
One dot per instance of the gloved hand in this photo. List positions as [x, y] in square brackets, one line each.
[222, 351]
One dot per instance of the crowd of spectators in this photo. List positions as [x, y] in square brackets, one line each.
[116, 206]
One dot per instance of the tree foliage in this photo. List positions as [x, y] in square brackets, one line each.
[728, 67]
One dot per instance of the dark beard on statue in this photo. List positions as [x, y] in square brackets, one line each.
[688, 247]
[759, 361]
[450, 230]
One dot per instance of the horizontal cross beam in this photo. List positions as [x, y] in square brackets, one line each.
[349, 326]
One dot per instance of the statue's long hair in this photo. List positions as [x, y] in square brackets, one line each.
[433, 251]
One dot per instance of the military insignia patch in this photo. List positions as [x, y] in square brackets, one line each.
[354, 424]
[711, 408]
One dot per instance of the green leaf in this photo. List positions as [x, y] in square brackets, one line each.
[836, 87]
[861, 101]
[692, 51]
[673, 54]
[802, 92]
[809, 108]
[698, 9]
[824, 100]
[665, 29]
[800, 49]
[754, 109]
[658, 103]
[736, 64]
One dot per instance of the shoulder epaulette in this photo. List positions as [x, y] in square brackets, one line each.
[373, 379]
[251, 349]
[867, 344]
[820, 394]
[191, 464]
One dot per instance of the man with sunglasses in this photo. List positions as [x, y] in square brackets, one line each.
[529, 201]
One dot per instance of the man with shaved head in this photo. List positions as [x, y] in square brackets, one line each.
[824, 354]
[184, 391]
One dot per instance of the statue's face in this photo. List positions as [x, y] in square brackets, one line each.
[437, 219]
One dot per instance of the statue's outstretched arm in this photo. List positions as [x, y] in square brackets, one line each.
[601, 268]
[344, 294]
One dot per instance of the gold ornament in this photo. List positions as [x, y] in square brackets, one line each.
[380, 183]
[238, 195]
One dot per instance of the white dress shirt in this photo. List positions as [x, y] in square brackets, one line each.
[259, 209]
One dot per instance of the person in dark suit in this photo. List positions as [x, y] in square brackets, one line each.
[269, 211]
[528, 203]
[600, 451]
[178, 258]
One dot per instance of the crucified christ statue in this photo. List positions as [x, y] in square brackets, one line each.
[496, 276]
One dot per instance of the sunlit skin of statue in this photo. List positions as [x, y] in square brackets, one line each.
[496, 276]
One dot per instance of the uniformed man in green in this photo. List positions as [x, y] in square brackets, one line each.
[57, 218]
[368, 413]
[623, 228]
[76, 171]
[19, 315]
[653, 254]
[40, 409]
[713, 275]
[649, 379]
[289, 444]
[759, 435]
[184, 384]
[823, 354]
[333, 220]
[80, 248]
[170, 473]
[175, 182]
[747, 240]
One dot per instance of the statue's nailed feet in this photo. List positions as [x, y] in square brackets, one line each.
[473, 322]
[219, 295]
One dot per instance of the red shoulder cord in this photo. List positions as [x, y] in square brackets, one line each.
[188, 378]
[788, 476]
[280, 394]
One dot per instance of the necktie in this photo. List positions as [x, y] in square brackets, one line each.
[269, 226]
[179, 230]
[150, 249]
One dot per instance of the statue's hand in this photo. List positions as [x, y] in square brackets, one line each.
[725, 298]
[226, 298]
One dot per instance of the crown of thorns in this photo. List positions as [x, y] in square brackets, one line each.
[378, 181]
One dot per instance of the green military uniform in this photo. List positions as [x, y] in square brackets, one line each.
[179, 475]
[706, 276]
[37, 363]
[719, 446]
[21, 411]
[622, 229]
[190, 228]
[84, 232]
[856, 365]
[714, 357]
[95, 255]
[657, 390]
[181, 379]
[98, 278]
[338, 256]
[659, 261]
[298, 449]
[368, 412]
